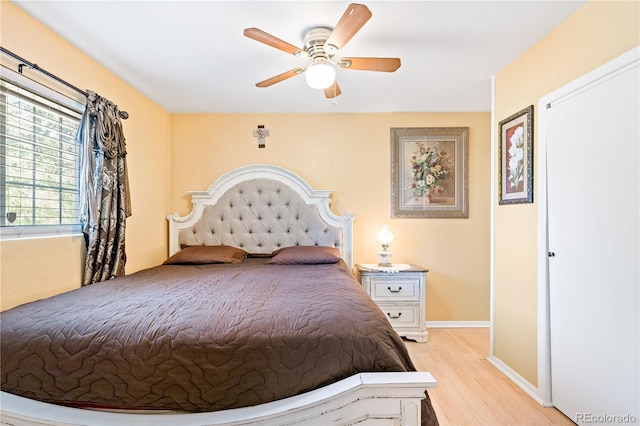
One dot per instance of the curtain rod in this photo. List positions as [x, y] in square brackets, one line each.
[123, 114]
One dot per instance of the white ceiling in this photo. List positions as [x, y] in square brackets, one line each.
[191, 56]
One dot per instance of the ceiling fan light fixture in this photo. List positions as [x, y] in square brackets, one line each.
[320, 74]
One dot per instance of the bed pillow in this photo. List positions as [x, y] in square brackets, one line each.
[201, 255]
[305, 255]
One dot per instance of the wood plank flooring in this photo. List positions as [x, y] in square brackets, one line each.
[470, 390]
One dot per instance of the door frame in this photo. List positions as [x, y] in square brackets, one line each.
[611, 69]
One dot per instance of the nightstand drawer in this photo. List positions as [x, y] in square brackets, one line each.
[401, 315]
[400, 295]
[395, 287]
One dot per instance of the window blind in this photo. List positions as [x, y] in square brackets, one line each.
[38, 159]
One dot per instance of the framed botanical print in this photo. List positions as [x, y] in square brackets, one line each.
[515, 162]
[429, 172]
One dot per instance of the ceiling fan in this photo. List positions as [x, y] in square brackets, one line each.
[320, 46]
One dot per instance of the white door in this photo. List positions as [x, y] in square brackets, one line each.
[593, 189]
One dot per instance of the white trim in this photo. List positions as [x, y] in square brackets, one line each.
[544, 336]
[458, 324]
[517, 379]
[38, 231]
[606, 71]
[492, 216]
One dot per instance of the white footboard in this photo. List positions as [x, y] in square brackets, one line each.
[366, 398]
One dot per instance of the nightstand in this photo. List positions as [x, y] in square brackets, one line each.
[401, 296]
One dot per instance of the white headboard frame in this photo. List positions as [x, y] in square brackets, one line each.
[316, 202]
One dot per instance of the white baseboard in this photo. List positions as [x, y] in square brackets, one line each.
[458, 324]
[516, 378]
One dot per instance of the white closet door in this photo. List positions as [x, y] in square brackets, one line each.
[593, 189]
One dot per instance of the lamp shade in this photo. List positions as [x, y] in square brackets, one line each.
[320, 75]
[385, 236]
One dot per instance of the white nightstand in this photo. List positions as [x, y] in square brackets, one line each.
[401, 296]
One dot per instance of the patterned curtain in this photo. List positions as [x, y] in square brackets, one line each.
[104, 189]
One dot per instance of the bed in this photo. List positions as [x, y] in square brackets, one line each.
[255, 318]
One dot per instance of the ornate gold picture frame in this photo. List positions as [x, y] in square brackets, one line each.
[429, 172]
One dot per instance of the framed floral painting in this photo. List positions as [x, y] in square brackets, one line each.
[430, 172]
[515, 163]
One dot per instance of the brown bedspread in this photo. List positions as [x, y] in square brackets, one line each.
[199, 338]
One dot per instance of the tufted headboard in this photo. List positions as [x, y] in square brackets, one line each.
[261, 208]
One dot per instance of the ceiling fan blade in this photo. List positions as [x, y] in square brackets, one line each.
[352, 20]
[370, 64]
[332, 91]
[269, 40]
[280, 77]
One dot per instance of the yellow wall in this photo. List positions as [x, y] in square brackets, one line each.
[595, 34]
[350, 154]
[36, 268]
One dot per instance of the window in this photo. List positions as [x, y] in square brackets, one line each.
[39, 189]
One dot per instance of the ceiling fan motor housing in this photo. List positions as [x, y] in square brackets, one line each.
[314, 42]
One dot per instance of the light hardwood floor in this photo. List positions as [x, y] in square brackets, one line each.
[470, 390]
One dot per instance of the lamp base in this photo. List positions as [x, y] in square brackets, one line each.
[384, 258]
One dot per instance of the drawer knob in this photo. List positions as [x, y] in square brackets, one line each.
[394, 316]
[395, 291]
